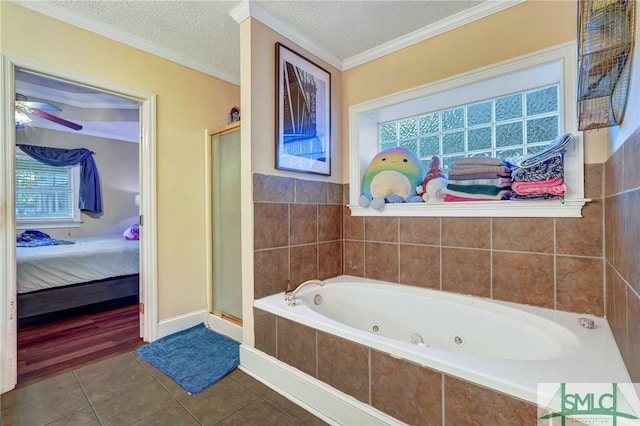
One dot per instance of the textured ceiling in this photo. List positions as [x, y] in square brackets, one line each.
[203, 35]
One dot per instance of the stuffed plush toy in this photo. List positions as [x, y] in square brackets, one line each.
[433, 182]
[392, 177]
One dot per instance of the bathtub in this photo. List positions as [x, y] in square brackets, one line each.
[504, 346]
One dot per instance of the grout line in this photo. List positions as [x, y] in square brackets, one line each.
[442, 397]
[555, 265]
[490, 258]
[370, 378]
[440, 249]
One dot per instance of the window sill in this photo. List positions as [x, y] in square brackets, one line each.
[22, 225]
[540, 208]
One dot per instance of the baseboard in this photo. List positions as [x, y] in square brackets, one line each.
[219, 325]
[181, 322]
[324, 401]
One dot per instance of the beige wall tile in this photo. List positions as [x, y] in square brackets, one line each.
[594, 181]
[334, 193]
[523, 234]
[303, 264]
[354, 258]
[303, 224]
[264, 325]
[631, 158]
[383, 229]
[311, 191]
[271, 225]
[633, 335]
[381, 261]
[329, 222]
[609, 227]
[420, 230]
[610, 278]
[466, 232]
[619, 231]
[581, 236]
[619, 323]
[408, 392]
[466, 271]
[580, 284]
[630, 266]
[523, 278]
[344, 365]
[329, 259]
[271, 271]
[469, 404]
[420, 266]
[353, 225]
[297, 345]
[613, 173]
[276, 189]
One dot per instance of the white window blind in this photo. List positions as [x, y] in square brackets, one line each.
[43, 192]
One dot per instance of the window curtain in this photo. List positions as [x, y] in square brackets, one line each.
[90, 198]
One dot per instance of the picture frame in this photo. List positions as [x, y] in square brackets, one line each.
[303, 114]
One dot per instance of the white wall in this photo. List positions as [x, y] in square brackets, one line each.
[631, 122]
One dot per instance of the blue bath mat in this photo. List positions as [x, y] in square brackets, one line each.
[194, 358]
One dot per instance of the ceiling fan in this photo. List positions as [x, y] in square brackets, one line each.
[24, 108]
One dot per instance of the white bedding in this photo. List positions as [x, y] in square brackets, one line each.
[89, 259]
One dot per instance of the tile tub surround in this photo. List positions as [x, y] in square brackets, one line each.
[622, 249]
[406, 391]
[549, 262]
[297, 232]
[303, 230]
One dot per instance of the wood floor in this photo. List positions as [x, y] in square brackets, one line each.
[67, 343]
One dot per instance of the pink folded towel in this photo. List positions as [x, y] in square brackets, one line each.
[551, 186]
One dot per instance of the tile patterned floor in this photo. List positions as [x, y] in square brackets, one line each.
[126, 390]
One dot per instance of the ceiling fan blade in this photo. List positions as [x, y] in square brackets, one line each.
[55, 119]
[22, 99]
[40, 105]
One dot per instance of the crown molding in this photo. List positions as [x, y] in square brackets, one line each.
[241, 12]
[250, 9]
[475, 13]
[125, 37]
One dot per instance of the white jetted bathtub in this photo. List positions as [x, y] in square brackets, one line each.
[505, 346]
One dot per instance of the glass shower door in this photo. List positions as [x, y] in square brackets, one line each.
[227, 279]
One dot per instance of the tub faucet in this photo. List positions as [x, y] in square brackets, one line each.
[290, 295]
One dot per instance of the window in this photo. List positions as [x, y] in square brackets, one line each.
[511, 108]
[45, 195]
[512, 125]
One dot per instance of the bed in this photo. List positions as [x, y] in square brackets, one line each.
[91, 270]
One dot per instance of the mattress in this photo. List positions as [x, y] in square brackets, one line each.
[89, 259]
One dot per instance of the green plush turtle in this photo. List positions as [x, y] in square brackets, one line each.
[392, 177]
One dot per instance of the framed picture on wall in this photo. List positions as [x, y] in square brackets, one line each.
[303, 114]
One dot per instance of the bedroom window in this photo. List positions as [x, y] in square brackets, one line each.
[511, 108]
[45, 195]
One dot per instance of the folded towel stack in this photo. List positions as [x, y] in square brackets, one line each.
[540, 176]
[478, 179]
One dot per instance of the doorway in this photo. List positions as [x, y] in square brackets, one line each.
[145, 191]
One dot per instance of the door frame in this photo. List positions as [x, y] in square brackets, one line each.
[147, 176]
